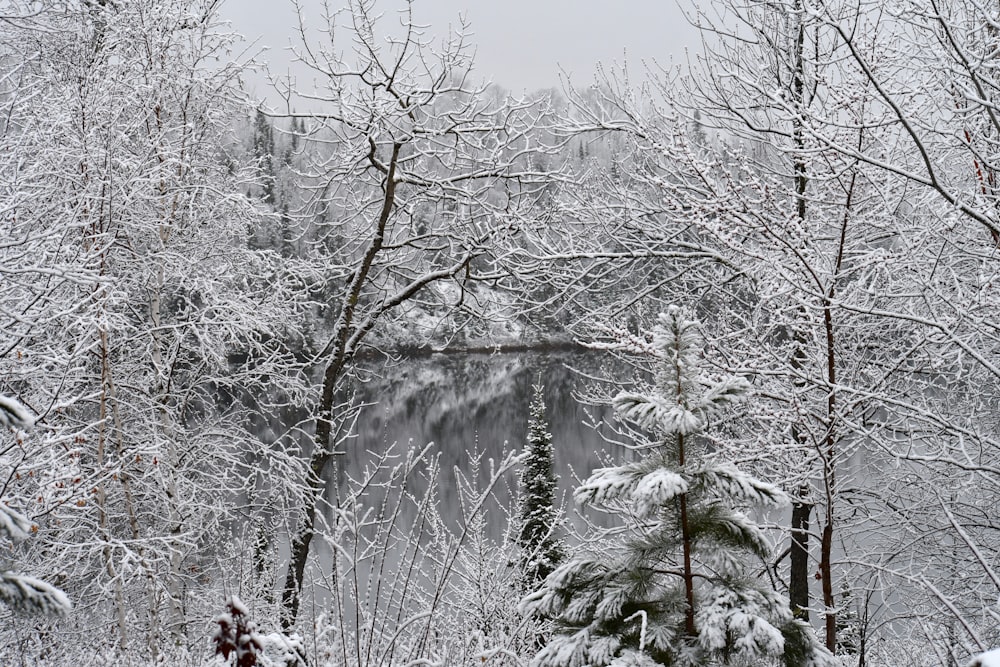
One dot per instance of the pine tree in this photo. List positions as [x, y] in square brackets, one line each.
[541, 551]
[21, 592]
[678, 588]
[263, 148]
[849, 637]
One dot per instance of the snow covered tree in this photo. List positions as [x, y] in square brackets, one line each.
[136, 357]
[796, 257]
[677, 588]
[897, 244]
[424, 174]
[18, 591]
[537, 514]
[263, 150]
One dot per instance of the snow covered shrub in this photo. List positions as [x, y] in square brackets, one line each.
[676, 585]
[408, 586]
[481, 602]
[236, 636]
[282, 650]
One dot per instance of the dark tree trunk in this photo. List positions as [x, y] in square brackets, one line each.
[798, 576]
[826, 571]
[302, 539]
[341, 352]
[689, 626]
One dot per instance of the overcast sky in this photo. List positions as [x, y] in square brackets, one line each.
[520, 44]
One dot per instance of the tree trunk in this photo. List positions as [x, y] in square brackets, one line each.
[826, 573]
[798, 575]
[119, 596]
[689, 627]
[340, 356]
[302, 539]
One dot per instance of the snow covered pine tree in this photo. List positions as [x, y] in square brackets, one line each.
[18, 591]
[541, 551]
[677, 590]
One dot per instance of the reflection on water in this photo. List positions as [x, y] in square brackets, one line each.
[465, 404]
[479, 403]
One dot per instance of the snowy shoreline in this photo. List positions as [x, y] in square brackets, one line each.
[420, 351]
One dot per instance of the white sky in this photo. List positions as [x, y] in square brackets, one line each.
[520, 44]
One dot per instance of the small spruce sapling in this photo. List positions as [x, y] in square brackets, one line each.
[541, 550]
[676, 586]
[21, 592]
[849, 629]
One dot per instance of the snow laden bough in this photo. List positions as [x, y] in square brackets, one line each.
[21, 592]
[988, 659]
[676, 586]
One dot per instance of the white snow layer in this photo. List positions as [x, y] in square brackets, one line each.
[14, 415]
[656, 489]
[988, 659]
[13, 525]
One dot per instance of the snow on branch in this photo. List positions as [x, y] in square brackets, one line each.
[654, 490]
[14, 525]
[21, 592]
[13, 415]
[722, 394]
[727, 480]
[683, 398]
[606, 485]
[29, 595]
[655, 411]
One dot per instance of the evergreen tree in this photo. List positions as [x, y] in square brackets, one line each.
[21, 592]
[849, 627]
[541, 550]
[263, 148]
[675, 588]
